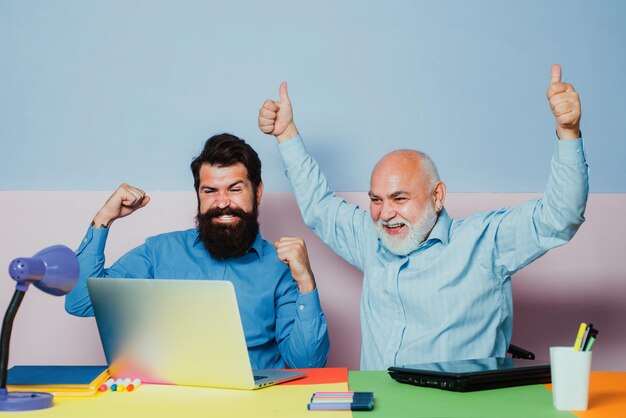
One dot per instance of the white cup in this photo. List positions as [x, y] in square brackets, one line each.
[570, 378]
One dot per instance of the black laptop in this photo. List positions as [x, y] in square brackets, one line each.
[471, 375]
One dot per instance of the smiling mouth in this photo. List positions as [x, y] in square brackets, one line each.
[226, 218]
[394, 229]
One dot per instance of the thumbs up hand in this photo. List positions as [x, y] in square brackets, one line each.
[276, 117]
[565, 105]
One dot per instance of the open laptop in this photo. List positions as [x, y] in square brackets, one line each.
[471, 375]
[183, 332]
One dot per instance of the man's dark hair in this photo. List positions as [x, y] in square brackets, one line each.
[224, 150]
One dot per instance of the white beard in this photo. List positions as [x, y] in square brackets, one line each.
[418, 232]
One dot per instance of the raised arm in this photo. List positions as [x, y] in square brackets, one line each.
[528, 231]
[124, 201]
[341, 226]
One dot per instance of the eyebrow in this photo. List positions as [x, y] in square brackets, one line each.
[398, 193]
[230, 186]
[392, 195]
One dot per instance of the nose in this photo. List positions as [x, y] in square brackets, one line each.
[387, 211]
[222, 201]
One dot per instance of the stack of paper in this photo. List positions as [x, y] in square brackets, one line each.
[58, 380]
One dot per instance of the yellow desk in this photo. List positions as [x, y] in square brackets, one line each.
[185, 402]
[288, 400]
[607, 399]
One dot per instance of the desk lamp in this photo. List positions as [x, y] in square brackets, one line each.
[55, 271]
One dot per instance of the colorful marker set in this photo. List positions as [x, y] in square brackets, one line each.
[341, 401]
[586, 337]
[120, 385]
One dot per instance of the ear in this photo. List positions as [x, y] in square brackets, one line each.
[259, 194]
[439, 196]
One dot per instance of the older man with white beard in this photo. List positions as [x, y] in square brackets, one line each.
[435, 288]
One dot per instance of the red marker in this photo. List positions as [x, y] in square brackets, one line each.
[106, 385]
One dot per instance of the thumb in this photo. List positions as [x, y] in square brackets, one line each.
[555, 74]
[284, 96]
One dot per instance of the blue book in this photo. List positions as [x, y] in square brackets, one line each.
[61, 380]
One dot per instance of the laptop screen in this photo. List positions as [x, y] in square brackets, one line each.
[185, 332]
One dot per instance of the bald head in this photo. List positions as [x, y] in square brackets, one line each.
[406, 162]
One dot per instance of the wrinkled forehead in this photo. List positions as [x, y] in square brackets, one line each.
[223, 175]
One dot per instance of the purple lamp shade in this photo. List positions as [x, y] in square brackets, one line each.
[53, 270]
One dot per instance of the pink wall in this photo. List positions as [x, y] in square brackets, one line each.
[583, 281]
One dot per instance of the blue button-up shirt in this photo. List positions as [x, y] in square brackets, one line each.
[450, 298]
[282, 327]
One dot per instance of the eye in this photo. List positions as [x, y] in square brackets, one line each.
[400, 199]
[374, 200]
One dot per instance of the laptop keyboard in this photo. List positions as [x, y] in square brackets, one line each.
[259, 377]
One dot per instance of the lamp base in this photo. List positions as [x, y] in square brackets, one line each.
[24, 401]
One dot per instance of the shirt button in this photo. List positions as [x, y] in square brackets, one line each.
[301, 307]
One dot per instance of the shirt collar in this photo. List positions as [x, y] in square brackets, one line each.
[441, 230]
[257, 245]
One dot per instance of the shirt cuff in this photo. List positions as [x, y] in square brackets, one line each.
[94, 241]
[308, 305]
[570, 151]
[292, 152]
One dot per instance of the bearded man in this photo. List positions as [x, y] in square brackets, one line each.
[278, 301]
[435, 288]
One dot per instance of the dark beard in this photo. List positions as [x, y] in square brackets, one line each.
[228, 241]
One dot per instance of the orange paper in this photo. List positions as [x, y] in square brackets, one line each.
[321, 376]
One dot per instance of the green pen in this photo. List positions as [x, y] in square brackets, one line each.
[590, 344]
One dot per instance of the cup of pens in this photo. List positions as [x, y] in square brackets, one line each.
[570, 368]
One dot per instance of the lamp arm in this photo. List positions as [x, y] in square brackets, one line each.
[5, 339]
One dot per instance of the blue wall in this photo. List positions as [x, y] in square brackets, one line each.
[93, 93]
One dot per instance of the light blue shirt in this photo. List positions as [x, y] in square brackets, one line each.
[451, 298]
[282, 326]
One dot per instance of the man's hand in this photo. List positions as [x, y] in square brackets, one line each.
[565, 105]
[276, 118]
[124, 201]
[292, 251]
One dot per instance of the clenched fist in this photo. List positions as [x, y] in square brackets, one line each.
[124, 201]
[292, 251]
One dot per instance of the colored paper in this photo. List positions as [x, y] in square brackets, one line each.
[320, 376]
[607, 396]
[395, 399]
